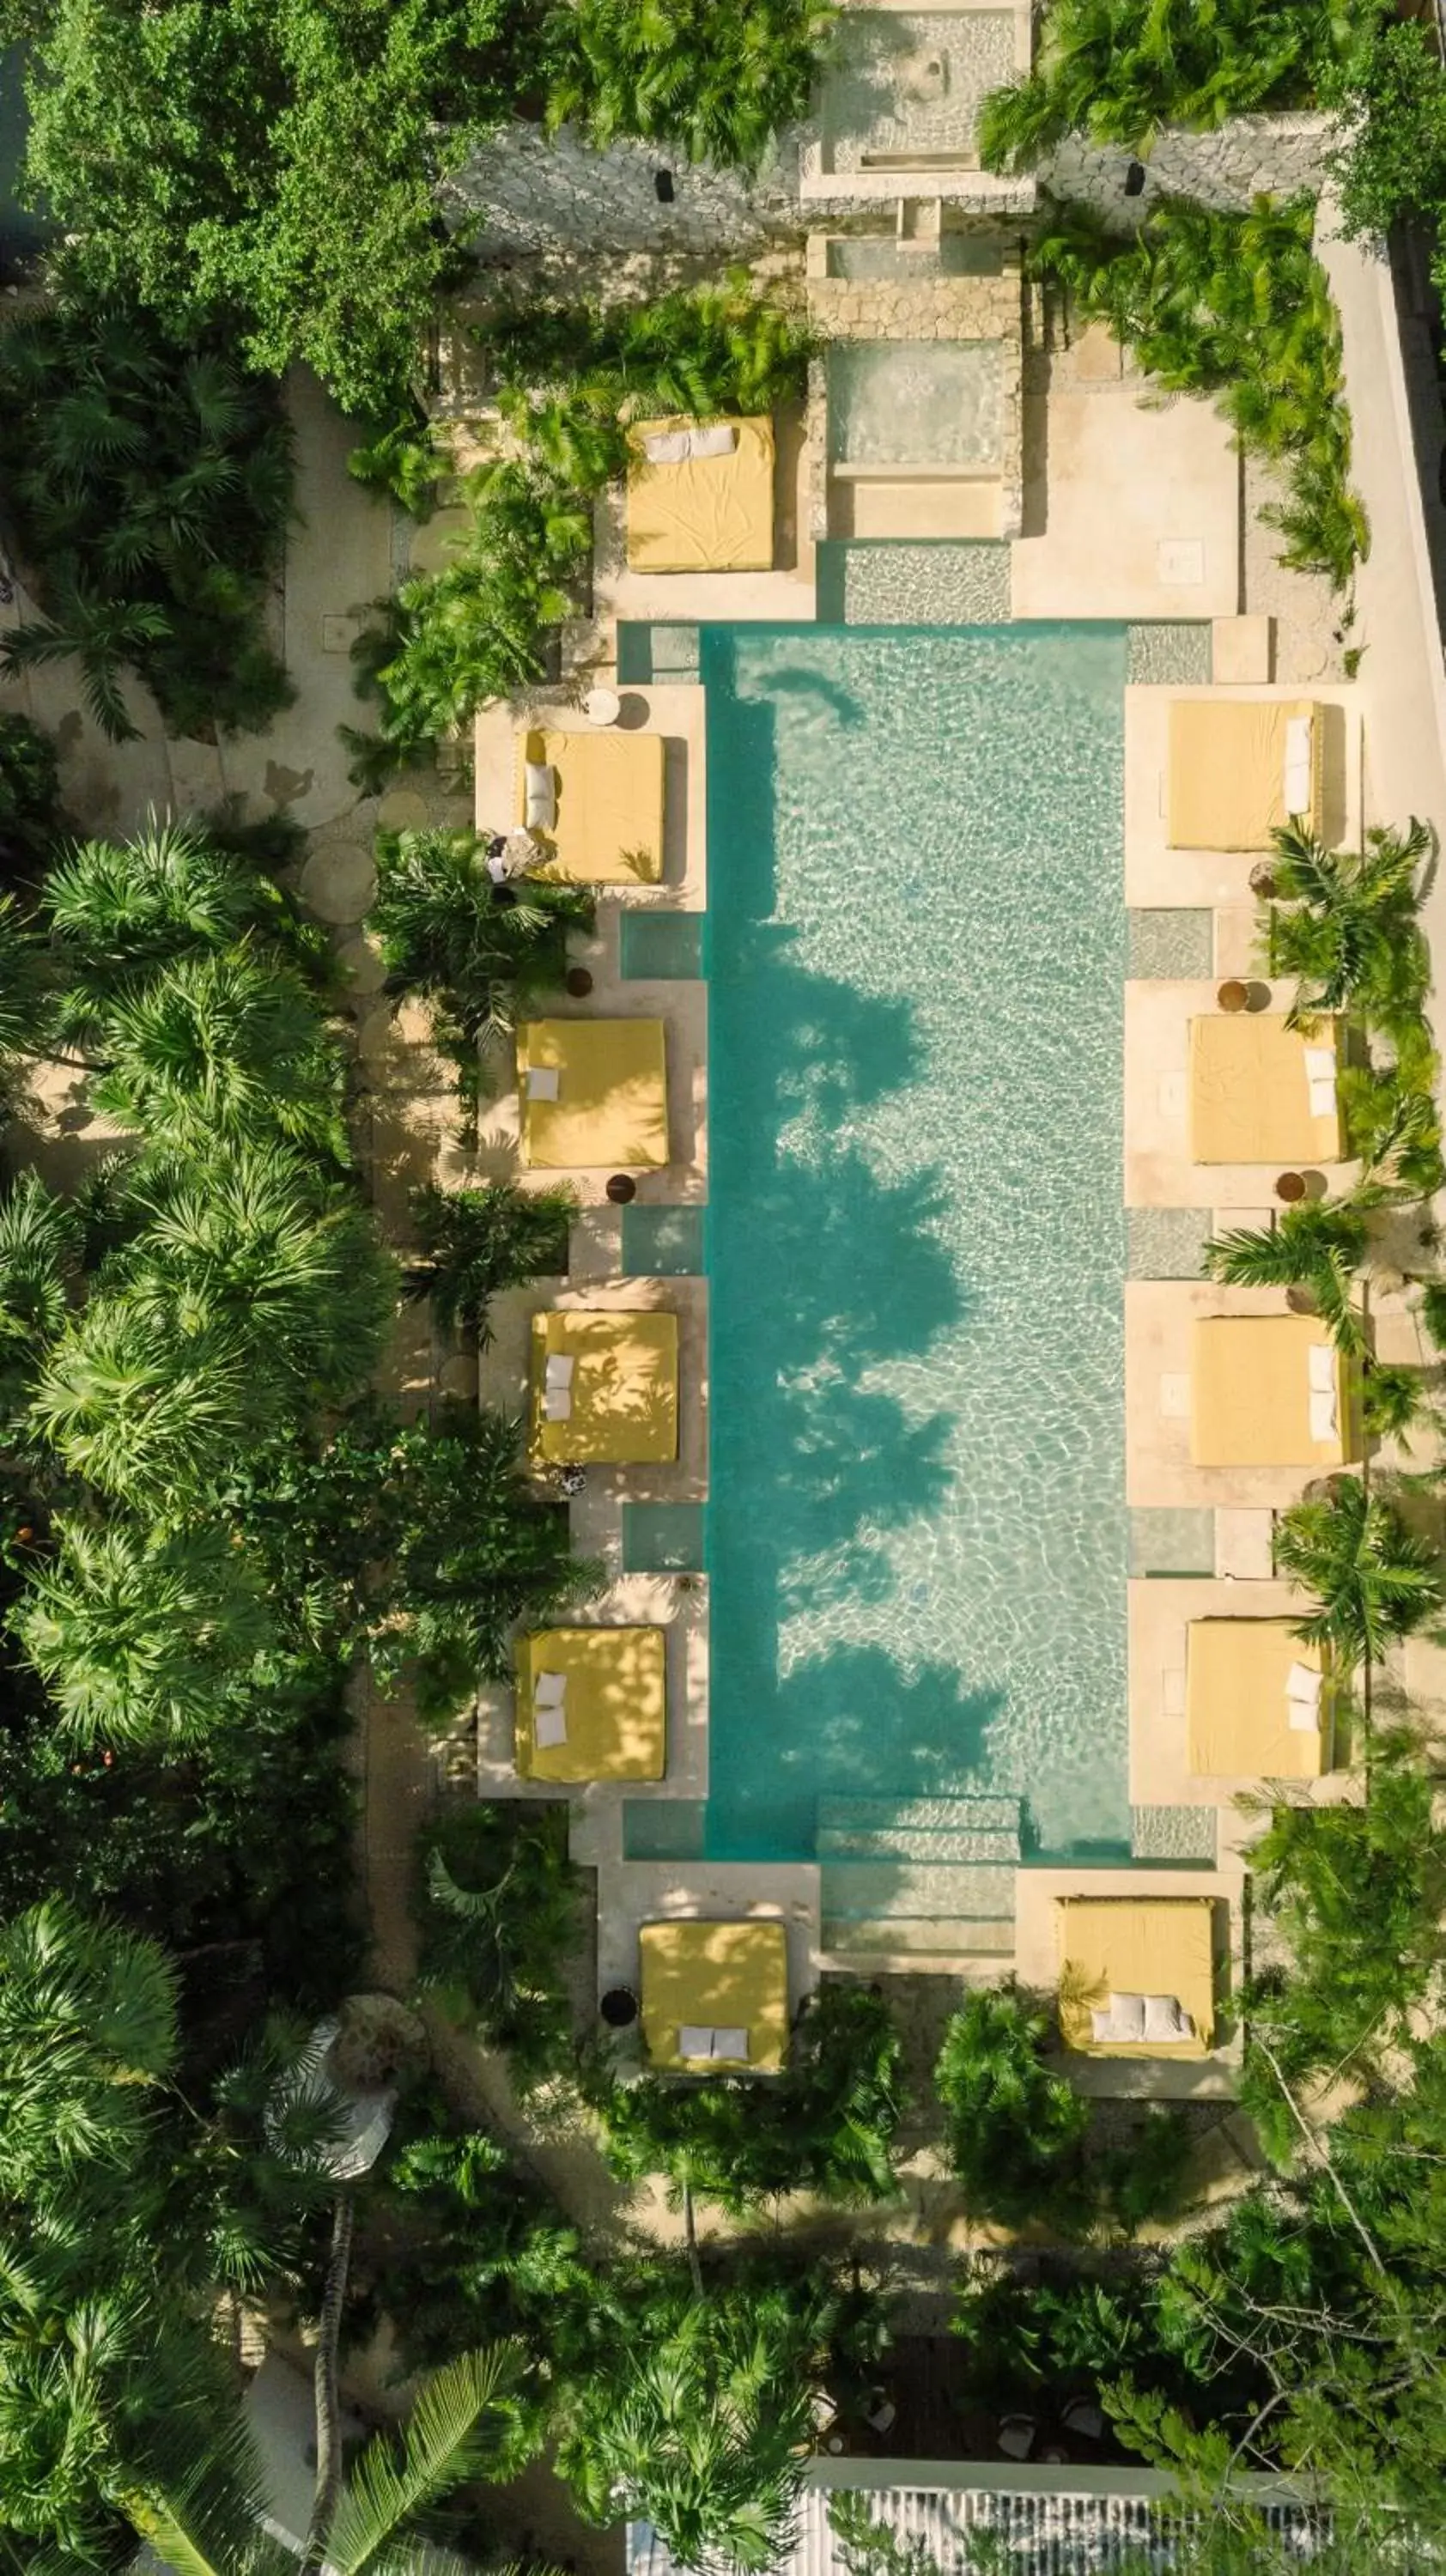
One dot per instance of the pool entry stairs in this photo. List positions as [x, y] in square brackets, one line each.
[930, 1879]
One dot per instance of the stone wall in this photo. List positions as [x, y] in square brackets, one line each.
[1278, 154]
[541, 195]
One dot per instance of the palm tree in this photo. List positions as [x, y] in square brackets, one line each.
[699, 2416]
[485, 955]
[117, 911]
[143, 1636]
[103, 634]
[1016, 2128]
[40, 1246]
[223, 1043]
[718, 77]
[1319, 1245]
[475, 1243]
[1350, 933]
[1371, 1579]
[206, 2516]
[145, 1410]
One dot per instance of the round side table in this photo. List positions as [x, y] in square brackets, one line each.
[602, 706]
[1290, 1188]
[1233, 995]
[619, 2008]
[622, 1188]
[578, 982]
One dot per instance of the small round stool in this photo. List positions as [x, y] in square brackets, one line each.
[622, 1188]
[1290, 1188]
[578, 982]
[602, 706]
[1233, 995]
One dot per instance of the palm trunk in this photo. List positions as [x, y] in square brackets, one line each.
[328, 2395]
[690, 2238]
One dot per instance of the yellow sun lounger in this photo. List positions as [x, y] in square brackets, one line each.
[1259, 1398]
[618, 1405]
[608, 827]
[1239, 1704]
[701, 513]
[1135, 1945]
[591, 1704]
[1258, 1088]
[715, 1995]
[594, 1094]
[1228, 776]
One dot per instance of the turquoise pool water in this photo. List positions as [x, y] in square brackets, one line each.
[917, 1534]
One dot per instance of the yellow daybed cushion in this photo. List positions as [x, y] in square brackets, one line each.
[1227, 770]
[1236, 1707]
[722, 1976]
[1135, 1945]
[609, 828]
[706, 514]
[624, 1386]
[611, 1109]
[1250, 1394]
[1249, 1092]
[615, 1708]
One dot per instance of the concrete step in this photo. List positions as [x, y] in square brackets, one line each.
[998, 1845]
[928, 1815]
[943, 1938]
[888, 1890]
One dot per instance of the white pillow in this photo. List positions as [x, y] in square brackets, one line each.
[559, 1369]
[1321, 1362]
[669, 447]
[1323, 1423]
[540, 792]
[542, 1082]
[1303, 1681]
[1323, 1102]
[1166, 2018]
[1320, 1064]
[557, 1403]
[549, 1727]
[1129, 2014]
[549, 1690]
[731, 2040]
[1302, 1716]
[1297, 781]
[695, 2039]
[719, 439]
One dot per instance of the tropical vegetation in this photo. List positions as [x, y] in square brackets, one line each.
[29, 796]
[473, 1243]
[498, 1913]
[148, 484]
[570, 377]
[1116, 71]
[718, 77]
[483, 955]
[1236, 307]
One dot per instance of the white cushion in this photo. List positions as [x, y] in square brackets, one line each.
[1323, 1101]
[540, 795]
[1323, 1423]
[731, 2040]
[695, 2039]
[1297, 779]
[1321, 1362]
[560, 1366]
[549, 1690]
[557, 1403]
[1320, 1064]
[1303, 1716]
[668, 447]
[1303, 1681]
[1166, 2019]
[549, 1727]
[1298, 730]
[719, 439]
[542, 1082]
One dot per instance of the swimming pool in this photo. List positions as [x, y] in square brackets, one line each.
[917, 1534]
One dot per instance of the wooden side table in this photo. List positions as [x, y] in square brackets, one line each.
[1233, 995]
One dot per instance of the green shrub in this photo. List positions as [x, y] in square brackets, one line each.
[150, 487]
[482, 955]
[1017, 2129]
[497, 1906]
[480, 628]
[1389, 101]
[1118, 70]
[29, 796]
[1235, 307]
[825, 2126]
[718, 77]
[475, 1243]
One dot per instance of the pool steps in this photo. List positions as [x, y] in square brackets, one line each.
[926, 1877]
